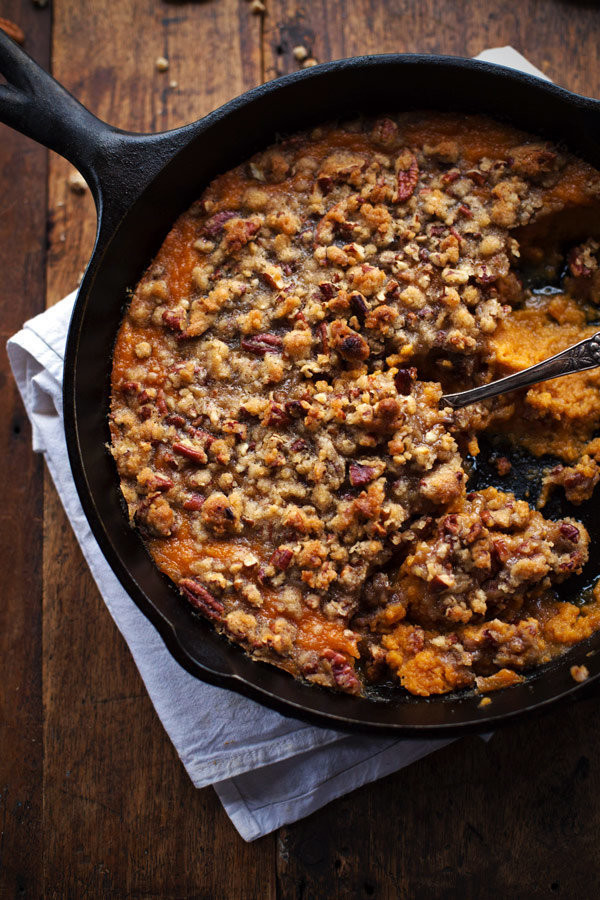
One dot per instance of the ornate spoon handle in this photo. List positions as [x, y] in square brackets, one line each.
[578, 358]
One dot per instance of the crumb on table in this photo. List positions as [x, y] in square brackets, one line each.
[579, 673]
[77, 183]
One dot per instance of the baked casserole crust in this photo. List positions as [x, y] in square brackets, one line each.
[276, 418]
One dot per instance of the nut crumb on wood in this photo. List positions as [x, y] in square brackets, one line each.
[300, 53]
[257, 7]
[173, 84]
[13, 30]
[579, 673]
[77, 183]
[161, 64]
[503, 465]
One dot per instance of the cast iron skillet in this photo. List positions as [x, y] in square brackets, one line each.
[140, 184]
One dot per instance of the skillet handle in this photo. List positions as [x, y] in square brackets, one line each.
[117, 165]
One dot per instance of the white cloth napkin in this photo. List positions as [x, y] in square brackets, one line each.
[268, 770]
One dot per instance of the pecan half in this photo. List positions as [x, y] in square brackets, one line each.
[404, 380]
[262, 343]
[202, 599]
[407, 182]
[358, 304]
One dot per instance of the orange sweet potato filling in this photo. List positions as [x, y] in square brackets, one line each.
[566, 411]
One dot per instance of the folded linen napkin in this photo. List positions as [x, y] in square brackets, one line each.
[268, 769]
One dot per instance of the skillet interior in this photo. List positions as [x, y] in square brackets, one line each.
[213, 145]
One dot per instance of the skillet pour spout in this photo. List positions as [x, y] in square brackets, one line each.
[140, 184]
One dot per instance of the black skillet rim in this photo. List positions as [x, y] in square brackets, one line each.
[347, 712]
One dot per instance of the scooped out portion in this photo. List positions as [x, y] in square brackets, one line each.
[276, 387]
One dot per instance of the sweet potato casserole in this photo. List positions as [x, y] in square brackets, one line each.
[276, 418]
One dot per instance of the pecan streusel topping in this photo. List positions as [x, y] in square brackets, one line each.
[276, 417]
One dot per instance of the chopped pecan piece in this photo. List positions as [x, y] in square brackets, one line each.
[570, 532]
[131, 387]
[342, 671]
[322, 329]
[214, 226]
[353, 347]
[385, 132]
[476, 176]
[238, 233]
[159, 483]
[360, 474]
[195, 454]
[276, 416]
[176, 420]
[281, 558]
[442, 582]
[328, 289]
[583, 260]
[194, 502]
[294, 409]
[325, 183]
[174, 320]
[161, 403]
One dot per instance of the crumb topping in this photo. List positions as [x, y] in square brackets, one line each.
[276, 418]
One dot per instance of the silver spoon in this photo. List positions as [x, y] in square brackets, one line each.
[578, 358]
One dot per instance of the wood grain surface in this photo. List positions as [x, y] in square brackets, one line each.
[93, 800]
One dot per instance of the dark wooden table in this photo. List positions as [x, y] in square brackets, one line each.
[93, 800]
